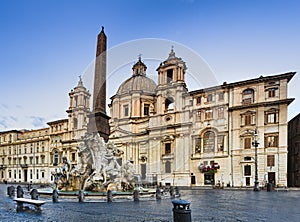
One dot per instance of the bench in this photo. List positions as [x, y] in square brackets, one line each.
[21, 201]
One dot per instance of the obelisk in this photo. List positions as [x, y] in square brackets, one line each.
[98, 120]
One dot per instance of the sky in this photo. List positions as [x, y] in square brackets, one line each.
[46, 44]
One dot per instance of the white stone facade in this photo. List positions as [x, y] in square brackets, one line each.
[171, 134]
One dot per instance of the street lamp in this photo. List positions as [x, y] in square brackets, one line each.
[255, 144]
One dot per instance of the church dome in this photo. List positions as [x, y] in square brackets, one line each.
[138, 82]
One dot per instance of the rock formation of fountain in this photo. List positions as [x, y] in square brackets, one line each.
[97, 169]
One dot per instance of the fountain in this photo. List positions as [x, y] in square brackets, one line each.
[97, 170]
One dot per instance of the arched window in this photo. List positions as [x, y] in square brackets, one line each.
[248, 96]
[209, 141]
[75, 101]
[169, 104]
[169, 75]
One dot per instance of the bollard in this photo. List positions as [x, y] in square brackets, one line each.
[55, 196]
[158, 193]
[80, 196]
[269, 187]
[181, 211]
[20, 192]
[109, 196]
[177, 194]
[34, 194]
[172, 192]
[136, 195]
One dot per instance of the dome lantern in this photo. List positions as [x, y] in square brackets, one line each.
[139, 68]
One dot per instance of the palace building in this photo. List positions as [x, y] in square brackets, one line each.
[172, 136]
[31, 156]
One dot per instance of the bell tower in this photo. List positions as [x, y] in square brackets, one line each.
[79, 110]
[98, 120]
[171, 84]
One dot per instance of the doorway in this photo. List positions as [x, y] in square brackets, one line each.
[247, 181]
[271, 178]
[193, 180]
[209, 178]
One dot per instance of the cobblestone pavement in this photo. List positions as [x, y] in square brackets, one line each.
[206, 205]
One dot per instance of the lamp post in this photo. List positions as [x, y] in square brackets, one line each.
[255, 144]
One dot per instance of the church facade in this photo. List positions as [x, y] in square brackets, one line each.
[203, 137]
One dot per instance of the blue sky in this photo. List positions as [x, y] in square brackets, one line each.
[46, 44]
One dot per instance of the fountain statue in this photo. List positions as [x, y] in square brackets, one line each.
[97, 170]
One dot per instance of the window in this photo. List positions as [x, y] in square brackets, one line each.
[247, 158]
[271, 116]
[73, 157]
[167, 148]
[220, 142]
[208, 114]
[247, 170]
[169, 104]
[197, 145]
[271, 141]
[221, 112]
[272, 92]
[247, 143]
[198, 115]
[146, 109]
[221, 96]
[168, 167]
[55, 162]
[126, 110]
[169, 75]
[43, 159]
[248, 96]
[270, 160]
[209, 141]
[75, 102]
[209, 97]
[198, 100]
[248, 119]
[37, 160]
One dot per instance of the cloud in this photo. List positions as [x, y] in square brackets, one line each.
[3, 124]
[37, 121]
[13, 118]
[5, 106]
